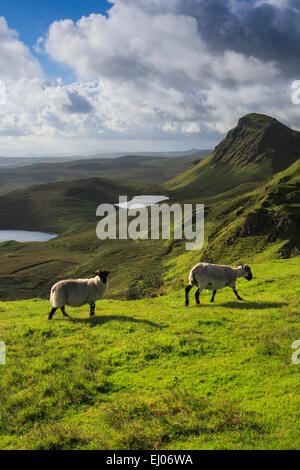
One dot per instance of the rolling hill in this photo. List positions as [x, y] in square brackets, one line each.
[62, 206]
[248, 219]
[148, 169]
[151, 373]
[15, 162]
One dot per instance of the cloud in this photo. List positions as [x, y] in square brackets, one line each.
[265, 29]
[16, 59]
[78, 104]
[141, 40]
[164, 60]
[156, 73]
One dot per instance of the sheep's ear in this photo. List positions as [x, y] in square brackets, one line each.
[96, 273]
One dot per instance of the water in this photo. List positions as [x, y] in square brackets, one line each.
[25, 236]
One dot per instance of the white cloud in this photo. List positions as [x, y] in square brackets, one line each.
[155, 70]
[16, 59]
[133, 45]
[241, 69]
[276, 3]
[146, 79]
[129, 45]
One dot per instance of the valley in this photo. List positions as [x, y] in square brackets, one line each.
[146, 168]
[147, 372]
[251, 214]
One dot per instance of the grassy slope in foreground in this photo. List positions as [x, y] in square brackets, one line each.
[152, 374]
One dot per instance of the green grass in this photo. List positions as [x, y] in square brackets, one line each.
[152, 374]
[141, 267]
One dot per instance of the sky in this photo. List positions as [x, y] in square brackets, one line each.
[142, 75]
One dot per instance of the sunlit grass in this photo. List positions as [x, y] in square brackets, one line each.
[153, 374]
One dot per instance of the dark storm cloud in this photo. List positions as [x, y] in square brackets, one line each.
[262, 30]
[78, 105]
[268, 30]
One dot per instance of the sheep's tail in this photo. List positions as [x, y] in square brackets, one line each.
[55, 297]
[192, 279]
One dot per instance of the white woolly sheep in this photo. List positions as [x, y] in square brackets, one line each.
[78, 292]
[214, 277]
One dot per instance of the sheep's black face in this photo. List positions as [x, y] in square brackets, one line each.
[103, 275]
[249, 273]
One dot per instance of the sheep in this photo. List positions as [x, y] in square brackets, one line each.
[215, 277]
[78, 292]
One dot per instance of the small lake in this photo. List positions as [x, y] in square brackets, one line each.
[25, 236]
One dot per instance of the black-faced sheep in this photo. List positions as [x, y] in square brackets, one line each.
[214, 277]
[78, 292]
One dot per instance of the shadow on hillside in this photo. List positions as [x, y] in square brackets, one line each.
[100, 320]
[248, 304]
[211, 322]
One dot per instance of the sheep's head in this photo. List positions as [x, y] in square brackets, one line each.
[103, 275]
[247, 273]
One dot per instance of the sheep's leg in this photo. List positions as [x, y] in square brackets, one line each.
[187, 290]
[197, 295]
[236, 294]
[52, 313]
[213, 296]
[64, 311]
[92, 309]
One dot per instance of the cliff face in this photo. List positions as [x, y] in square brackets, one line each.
[259, 139]
[255, 150]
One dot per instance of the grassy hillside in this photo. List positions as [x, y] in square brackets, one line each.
[147, 169]
[257, 148]
[244, 224]
[267, 218]
[152, 374]
[30, 269]
[257, 219]
[64, 206]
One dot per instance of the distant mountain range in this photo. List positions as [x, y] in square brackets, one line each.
[14, 162]
[146, 168]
